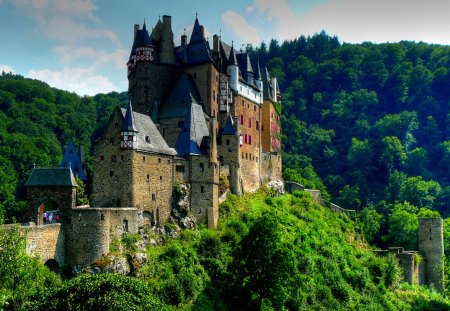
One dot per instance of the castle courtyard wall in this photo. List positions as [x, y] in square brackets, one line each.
[47, 242]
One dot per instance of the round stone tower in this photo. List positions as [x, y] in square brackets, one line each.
[431, 248]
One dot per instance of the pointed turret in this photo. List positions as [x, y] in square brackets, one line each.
[233, 69]
[72, 159]
[229, 128]
[129, 131]
[197, 33]
[258, 79]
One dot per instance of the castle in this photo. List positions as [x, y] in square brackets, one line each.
[197, 118]
[195, 115]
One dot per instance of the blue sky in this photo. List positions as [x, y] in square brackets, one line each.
[83, 45]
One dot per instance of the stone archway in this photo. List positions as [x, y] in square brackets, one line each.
[52, 265]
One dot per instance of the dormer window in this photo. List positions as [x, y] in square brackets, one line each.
[147, 139]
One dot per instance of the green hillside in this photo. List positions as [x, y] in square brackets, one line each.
[269, 253]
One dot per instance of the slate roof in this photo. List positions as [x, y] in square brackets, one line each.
[55, 177]
[146, 127]
[267, 88]
[184, 93]
[142, 38]
[75, 160]
[128, 124]
[230, 128]
[191, 140]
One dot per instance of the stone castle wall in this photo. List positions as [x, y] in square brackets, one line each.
[228, 151]
[47, 241]
[153, 183]
[206, 78]
[204, 187]
[270, 166]
[170, 129]
[150, 83]
[91, 231]
[112, 185]
[250, 150]
[63, 197]
[431, 248]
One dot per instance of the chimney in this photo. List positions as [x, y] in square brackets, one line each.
[136, 28]
[202, 29]
[183, 39]
[167, 21]
[216, 43]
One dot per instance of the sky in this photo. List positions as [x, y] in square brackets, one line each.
[83, 45]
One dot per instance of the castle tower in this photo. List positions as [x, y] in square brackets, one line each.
[167, 46]
[431, 248]
[229, 153]
[129, 132]
[233, 69]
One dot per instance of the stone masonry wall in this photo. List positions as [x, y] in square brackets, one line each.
[64, 197]
[250, 150]
[204, 188]
[91, 231]
[270, 166]
[153, 183]
[431, 248]
[228, 152]
[206, 78]
[170, 129]
[47, 242]
[112, 185]
[151, 82]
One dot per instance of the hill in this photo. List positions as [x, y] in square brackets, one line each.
[268, 253]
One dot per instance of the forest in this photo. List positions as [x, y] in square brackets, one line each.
[367, 124]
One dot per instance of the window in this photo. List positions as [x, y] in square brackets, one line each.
[180, 168]
[202, 189]
[113, 158]
[121, 157]
[242, 119]
[160, 178]
[242, 103]
[249, 122]
[111, 140]
[201, 167]
[214, 95]
[262, 127]
[254, 108]
[147, 139]
[125, 225]
[246, 156]
[195, 75]
[228, 142]
[249, 139]
[153, 197]
[245, 138]
[159, 160]
[148, 177]
[168, 161]
[143, 159]
[257, 125]
[111, 174]
[102, 158]
[116, 125]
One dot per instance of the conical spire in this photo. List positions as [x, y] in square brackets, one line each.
[229, 128]
[128, 124]
[232, 58]
[257, 71]
[197, 33]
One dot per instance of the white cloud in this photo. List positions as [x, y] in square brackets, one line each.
[81, 80]
[69, 21]
[363, 20]
[6, 68]
[68, 54]
[241, 28]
